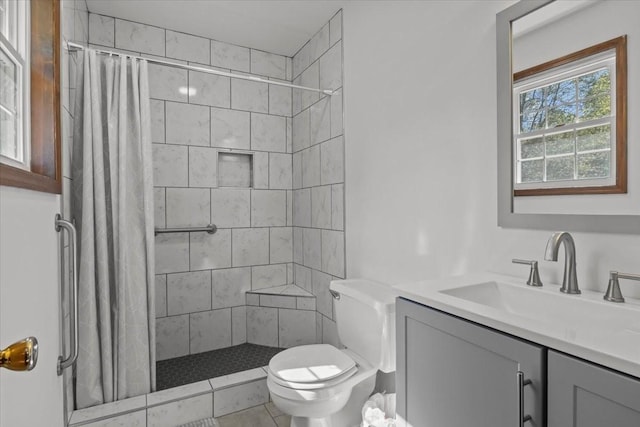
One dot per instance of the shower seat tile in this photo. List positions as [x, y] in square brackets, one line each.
[133, 419]
[237, 378]
[306, 303]
[177, 393]
[108, 409]
[180, 411]
[277, 301]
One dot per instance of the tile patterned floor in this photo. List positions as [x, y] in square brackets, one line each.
[203, 366]
[258, 416]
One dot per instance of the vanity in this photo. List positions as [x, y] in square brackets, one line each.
[488, 350]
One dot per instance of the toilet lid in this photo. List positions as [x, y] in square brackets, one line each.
[314, 363]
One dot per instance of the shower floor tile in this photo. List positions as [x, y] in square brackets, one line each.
[203, 366]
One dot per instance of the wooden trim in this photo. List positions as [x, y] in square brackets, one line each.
[46, 156]
[620, 46]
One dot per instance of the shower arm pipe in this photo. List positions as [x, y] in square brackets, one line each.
[211, 229]
[71, 46]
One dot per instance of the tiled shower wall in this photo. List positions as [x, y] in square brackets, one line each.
[202, 278]
[318, 173]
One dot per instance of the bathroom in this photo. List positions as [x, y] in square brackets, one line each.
[417, 93]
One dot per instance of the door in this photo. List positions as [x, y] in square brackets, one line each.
[29, 301]
[586, 395]
[452, 373]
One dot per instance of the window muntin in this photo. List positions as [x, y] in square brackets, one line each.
[564, 125]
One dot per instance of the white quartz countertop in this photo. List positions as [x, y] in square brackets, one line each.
[589, 328]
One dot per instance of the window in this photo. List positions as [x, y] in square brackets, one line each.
[14, 84]
[569, 125]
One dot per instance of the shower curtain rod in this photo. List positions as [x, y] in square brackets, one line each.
[76, 46]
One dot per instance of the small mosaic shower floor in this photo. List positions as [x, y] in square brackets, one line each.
[203, 366]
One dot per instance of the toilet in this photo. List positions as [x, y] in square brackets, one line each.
[320, 385]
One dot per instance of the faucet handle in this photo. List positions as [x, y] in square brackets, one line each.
[534, 275]
[613, 293]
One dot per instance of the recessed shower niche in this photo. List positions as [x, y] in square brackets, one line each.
[235, 169]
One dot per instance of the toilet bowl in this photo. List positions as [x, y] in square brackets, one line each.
[322, 386]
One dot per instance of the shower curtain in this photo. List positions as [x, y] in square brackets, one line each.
[112, 204]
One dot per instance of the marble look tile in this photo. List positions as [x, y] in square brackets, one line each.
[181, 392]
[319, 318]
[172, 253]
[254, 417]
[337, 128]
[311, 166]
[319, 43]
[289, 208]
[226, 55]
[296, 327]
[209, 89]
[321, 207]
[289, 68]
[296, 97]
[101, 30]
[237, 398]
[187, 47]
[268, 133]
[250, 246]
[188, 292]
[310, 78]
[170, 166]
[320, 284]
[335, 28]
[230, 129]
[229, 286]
[238, 325]
[280, 98]
[261, 170]
[298, 254]
[234, 169]
[311, 248]
[333, 252]
[165, 82]
[187, 124]
[320, 121]
[158, 207]
[172, 337]
[289, 135]
[252, 299]
[210, 250]
[210, 330]
[249, 96]
[133, 419]
[296, 173]
[157, 121]
[330, 333]
[303, 277]
[281, 245]
[241, 377]
[268, 208]
[331, 68]
[262, 326]
[161, 295]
[278, 301]
[279, 171]
[302, 207]
[139, 37]
[180, 411]
[266, 276]
[203, 167]
[337, 207]
[301, 60]
[107, 409]
[268, 64]
[301, 133]
[332, 165]
[306, 303]
[188, 207]
[81, 27]
[230, 207]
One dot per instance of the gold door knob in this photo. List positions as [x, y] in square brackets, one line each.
[21, 355]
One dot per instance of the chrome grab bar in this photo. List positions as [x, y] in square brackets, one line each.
[211, 229]
[64, 363]
[522, 418]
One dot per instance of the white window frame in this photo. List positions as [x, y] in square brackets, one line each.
[575, 69]
[15, 43]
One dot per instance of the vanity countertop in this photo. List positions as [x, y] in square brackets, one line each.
[582, 325]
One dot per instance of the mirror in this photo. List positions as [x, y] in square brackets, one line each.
[532, 34]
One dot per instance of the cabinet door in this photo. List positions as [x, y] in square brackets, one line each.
[453, 373]
[584, 395]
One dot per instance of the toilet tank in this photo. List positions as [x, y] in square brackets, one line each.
[366, 320]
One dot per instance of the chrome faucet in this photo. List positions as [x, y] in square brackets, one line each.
[570, 280]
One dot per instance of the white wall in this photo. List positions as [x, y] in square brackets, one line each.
[420, 118]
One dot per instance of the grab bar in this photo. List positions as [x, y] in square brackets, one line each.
[64, 363]
[211, 229]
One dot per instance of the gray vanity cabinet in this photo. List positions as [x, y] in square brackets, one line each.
[584, 395]
[453, 373]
